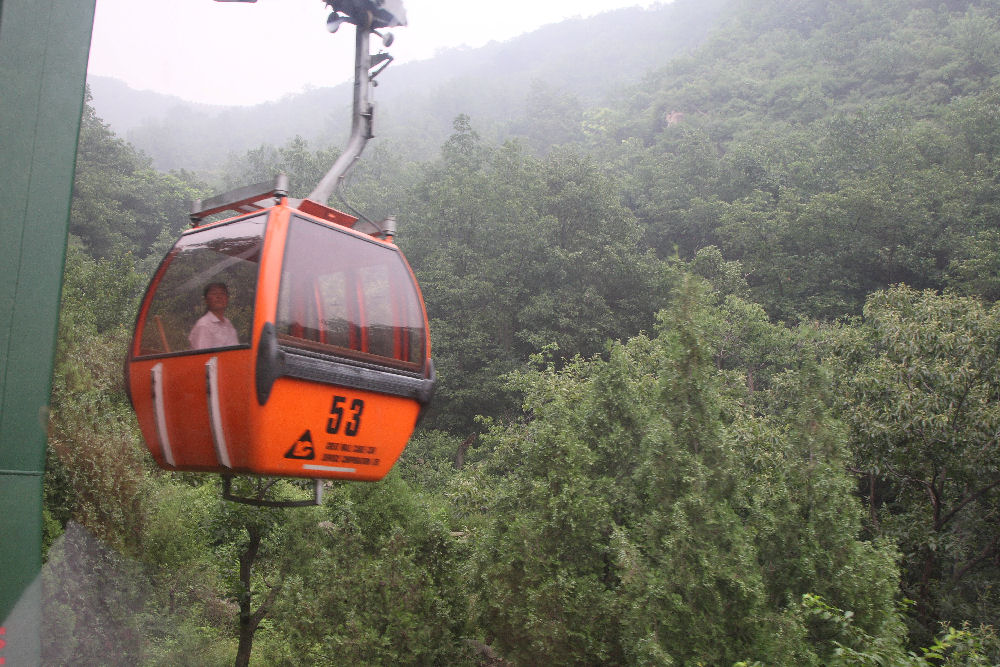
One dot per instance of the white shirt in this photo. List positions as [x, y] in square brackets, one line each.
[210, 331]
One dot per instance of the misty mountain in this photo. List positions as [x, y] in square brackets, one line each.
[587, 61]
[125, 108]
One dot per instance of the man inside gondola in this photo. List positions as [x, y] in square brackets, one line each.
[213, 329]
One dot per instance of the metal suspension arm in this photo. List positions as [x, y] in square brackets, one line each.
[361, 120]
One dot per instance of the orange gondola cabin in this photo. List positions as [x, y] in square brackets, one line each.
[324, 366]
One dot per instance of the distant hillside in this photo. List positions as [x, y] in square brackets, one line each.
[124, 108]
[590, 60]
[833, 149]
[778, 64]
[182, 135]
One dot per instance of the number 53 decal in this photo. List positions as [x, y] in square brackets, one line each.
[349, 418]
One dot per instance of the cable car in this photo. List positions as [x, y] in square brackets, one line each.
[289, 339]
[314, 361]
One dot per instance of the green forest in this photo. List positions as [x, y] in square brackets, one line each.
[719, 378]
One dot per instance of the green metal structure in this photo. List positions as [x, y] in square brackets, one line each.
[44, 46]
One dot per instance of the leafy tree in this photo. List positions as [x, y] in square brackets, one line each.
[303, 167]
[96, 473]
[645, 512]
[261, 548]
[921, 396]
[552, 117]
[515, 253]
[384, 585]
[953, 647]
[120, 203]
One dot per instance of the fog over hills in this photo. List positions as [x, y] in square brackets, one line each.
[586, 61]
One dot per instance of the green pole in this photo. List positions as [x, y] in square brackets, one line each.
[44, 46]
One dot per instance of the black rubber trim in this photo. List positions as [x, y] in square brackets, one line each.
[270, 363]
[274, 361]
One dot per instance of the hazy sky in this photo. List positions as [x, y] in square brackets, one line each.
[245, 53]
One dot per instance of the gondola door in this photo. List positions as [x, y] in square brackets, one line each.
[190, 369]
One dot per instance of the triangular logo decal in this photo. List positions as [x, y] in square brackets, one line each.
[302, 448]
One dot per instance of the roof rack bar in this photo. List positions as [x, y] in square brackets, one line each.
[242, 200]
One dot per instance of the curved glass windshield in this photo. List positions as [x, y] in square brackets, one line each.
[204, 297]
[345, 295]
